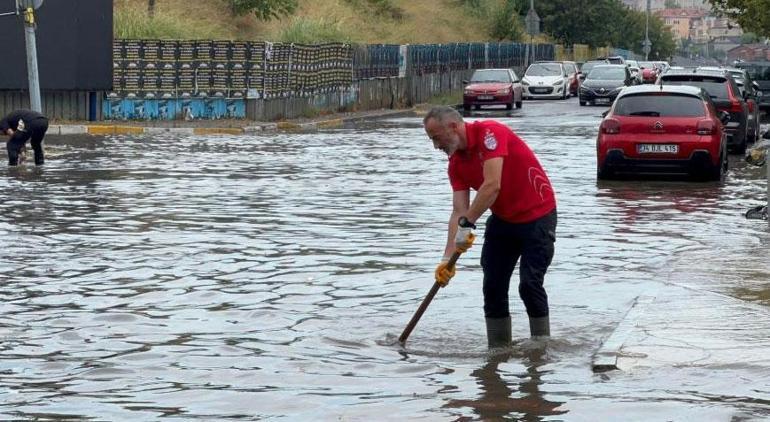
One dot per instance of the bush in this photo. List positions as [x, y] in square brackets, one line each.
[310, 31]
[132, 23]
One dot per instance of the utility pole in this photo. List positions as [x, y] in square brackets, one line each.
[27, 9]
[647, 44]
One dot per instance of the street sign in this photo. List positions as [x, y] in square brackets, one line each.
[647, 46]
[532, 22]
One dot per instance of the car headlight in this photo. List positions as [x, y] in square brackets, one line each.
[559, 82]
[759, 93]
[524, 82]
[504, 91]
[468, 92]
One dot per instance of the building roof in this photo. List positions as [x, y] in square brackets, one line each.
[681, 13]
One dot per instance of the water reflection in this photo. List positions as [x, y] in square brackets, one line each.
[507, 395]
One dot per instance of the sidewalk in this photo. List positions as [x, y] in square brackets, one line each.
[678, 325]
[222, 127]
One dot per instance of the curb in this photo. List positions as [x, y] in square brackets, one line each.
[606, 358]
[279, 126]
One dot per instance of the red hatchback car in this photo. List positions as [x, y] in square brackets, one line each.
[669, 130]
[492, 87]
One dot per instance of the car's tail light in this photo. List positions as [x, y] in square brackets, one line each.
[751, 106]
[705, 127]
[610, 126]
[735, 107]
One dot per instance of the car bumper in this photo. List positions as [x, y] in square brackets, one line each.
[474, 100]
[594, 97]
[698, 162]
[543, 91]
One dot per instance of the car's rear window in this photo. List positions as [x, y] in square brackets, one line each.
[660, 104]
[544, 69]
[491, 76]
[607, 73]
[716, 87]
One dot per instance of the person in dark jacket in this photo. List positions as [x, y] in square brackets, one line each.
[21, 125]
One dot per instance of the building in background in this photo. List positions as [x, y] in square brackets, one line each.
[749, 52]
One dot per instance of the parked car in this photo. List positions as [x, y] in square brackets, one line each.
[572, 76]
[725, 94]
[585, 69]
[492, 87]
[759, 72]
[668, 130]
[749, 90]
[613, 59]
[604, 83]
[545, 80]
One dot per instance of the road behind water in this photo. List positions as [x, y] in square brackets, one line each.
[265, 277]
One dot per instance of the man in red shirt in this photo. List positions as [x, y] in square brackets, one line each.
[488, 157]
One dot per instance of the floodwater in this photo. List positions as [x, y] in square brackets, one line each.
[265, 277]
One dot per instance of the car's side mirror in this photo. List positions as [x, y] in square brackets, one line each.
[724, 117]
[465, 82]
[605, 113]
[755, 84]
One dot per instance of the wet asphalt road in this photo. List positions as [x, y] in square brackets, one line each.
[265, 277]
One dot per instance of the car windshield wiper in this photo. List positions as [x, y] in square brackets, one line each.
[645, 113]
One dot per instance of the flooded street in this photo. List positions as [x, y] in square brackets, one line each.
[264, 277]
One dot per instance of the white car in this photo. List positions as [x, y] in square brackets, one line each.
[545, 80]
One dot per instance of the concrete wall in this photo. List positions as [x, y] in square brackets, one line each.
[369, 94]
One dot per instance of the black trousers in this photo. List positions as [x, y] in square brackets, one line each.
[504, 244]
[34, 130]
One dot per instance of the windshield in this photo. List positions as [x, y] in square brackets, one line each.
[758, 72]
[660, 105]
[647, 65]
[544, 69]
[491, 76]
[716, 88]
[607, 73]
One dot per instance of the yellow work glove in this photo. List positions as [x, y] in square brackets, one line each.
[464, 239]
[444, 274]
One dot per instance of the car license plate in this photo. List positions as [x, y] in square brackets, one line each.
[602, 100]
[657, 148]
[486, 97]
[539, 90]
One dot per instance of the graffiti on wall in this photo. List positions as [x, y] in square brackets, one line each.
[174, 108]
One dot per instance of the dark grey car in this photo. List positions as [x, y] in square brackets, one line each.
[726, 95]
[603, 84]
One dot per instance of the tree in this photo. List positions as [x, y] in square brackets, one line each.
[751, 15]
[264, 9]
[506, 23]
[672, 4]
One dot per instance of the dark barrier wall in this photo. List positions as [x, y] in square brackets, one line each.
[74, 46]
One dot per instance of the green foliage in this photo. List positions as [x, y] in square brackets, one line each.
[264, 9]
[131, 23]
[672, 4]
[749, 38]
[309, 31]
[601, 23]
[506, 24]
[751, 15]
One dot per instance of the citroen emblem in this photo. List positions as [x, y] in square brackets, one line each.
[658, 125]
[602, 90]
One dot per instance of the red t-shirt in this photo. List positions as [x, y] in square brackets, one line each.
[525, 191]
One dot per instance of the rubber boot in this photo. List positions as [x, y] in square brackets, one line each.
[539, 327]
[499, 332]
